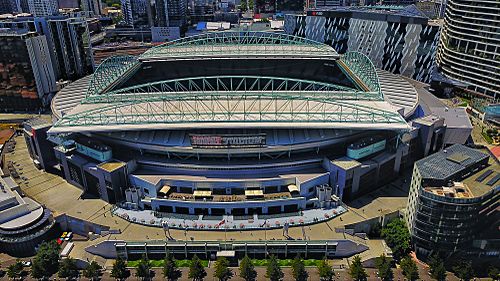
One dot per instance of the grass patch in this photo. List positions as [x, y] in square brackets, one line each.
[465, 101]
[159, 263]
[487, 137]
[132, 263]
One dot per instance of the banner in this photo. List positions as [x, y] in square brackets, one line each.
[227, 141]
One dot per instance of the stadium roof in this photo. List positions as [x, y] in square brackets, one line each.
[240, 45]
[232, 101]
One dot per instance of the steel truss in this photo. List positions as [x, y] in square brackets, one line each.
[362, 67]
[109, 71]
[234, 86]
[242, 44]
[195, 108]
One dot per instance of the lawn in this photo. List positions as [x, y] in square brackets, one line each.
[256, 262]
[487, 137]
[286, 262]
[159, 263]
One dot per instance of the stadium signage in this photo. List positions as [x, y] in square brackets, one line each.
[227, 141]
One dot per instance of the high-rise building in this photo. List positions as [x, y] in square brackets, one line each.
[25, 7]
[469, 49]
[170, 13]
[399, 40]
[72, 51]
[93, 6]
[201, 10]
[10, 6]
[453, 202]
[135, 12]
[43, 8]
[68, 4]
[26, 74]
[68, 40]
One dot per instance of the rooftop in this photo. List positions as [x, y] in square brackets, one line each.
[449, 162]
[475, 185]
[483, 181]
[155, 178]
[346, 163]
[36, 123]
[5, 135]
[111, 166]
[458, 190]
[385, 11]
[240, 44]
[235, 101]
[16, 211]
[454, 117]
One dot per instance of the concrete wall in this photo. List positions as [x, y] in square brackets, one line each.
[366, 225]
[79, 226]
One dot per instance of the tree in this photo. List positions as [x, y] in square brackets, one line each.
[437, 269]
[325, 271]
[119, 270]
[37, 271]
[409, 268]
[170, 270]
[273, 270]
[494, 273]
[243, 5]
[383, 265]
[222, 271]
[15, 270]
[143, 269]
[250, 5]
[196, 269]
[464, 270]
[356, 270]
[247, 269]
[92, 271]
[397, 237]
[68, 269]
[46, 261]
[299, 269]
[375, 230]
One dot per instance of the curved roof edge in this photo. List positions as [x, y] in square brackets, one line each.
[240, 38]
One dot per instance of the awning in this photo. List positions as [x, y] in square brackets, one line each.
[227, 254]
[165, 189]
[293, 188]
[202, 193]
[254, 193]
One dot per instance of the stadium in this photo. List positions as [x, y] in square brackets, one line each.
[233, 123]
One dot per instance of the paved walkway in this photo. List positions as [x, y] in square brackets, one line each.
[228, 222]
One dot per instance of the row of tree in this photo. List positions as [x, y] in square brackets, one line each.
[221, 269]
[47, 262]
[273, 270]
